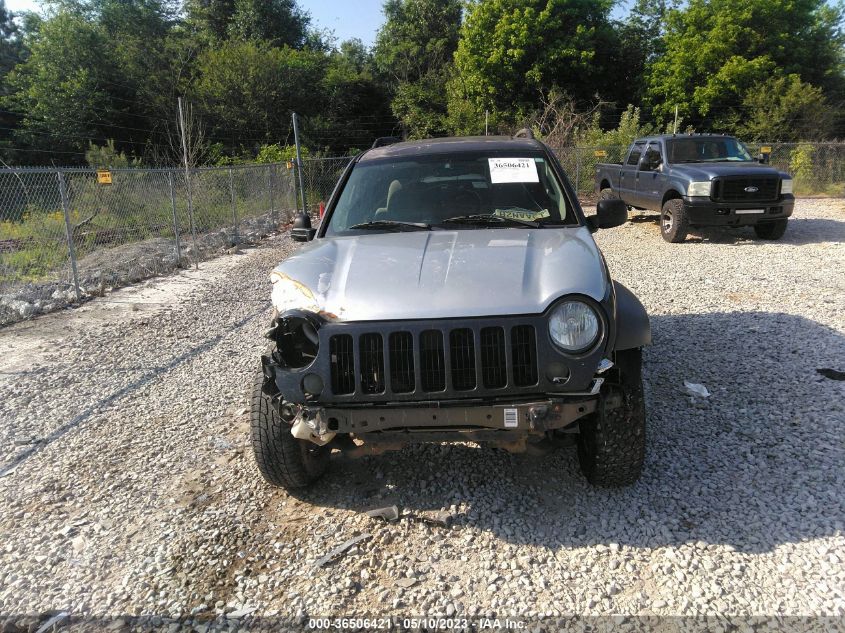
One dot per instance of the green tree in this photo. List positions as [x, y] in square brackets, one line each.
[277, 22]
[60, 89]
[247, 90]
[639, 42]
[418, 36]
[785, 109]
[106, 156]
[512, 51]
[630, 127]
[91, 74]
[12, 52]
[11, 45]
[413, 53]
[355, 107]
[716, 51]
[209, 19]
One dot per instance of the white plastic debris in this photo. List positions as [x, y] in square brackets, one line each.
[696, 389]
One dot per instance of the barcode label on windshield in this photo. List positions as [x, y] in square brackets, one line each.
[513, 170]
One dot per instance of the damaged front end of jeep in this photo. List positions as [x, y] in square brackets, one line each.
[365, 387]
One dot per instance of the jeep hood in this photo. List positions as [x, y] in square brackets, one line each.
[439, 274]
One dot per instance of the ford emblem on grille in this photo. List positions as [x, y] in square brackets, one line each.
[751, 189]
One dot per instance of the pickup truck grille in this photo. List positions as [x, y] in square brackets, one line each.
[735, 188]
[430, 361]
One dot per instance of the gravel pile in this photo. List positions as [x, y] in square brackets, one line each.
[128, 487]
[109, 268]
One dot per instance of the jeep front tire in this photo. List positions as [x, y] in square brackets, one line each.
[282, 459]
[611, 441]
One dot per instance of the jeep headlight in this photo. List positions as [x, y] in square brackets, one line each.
[786, 185]
[297, 341]
[573, 326]
[699, 188]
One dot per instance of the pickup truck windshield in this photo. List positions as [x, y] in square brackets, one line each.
[706, 149]
[455, 191]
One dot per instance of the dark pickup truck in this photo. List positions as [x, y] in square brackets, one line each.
[697, 180]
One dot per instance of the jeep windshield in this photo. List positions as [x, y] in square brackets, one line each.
[451, 192]
[706, 149]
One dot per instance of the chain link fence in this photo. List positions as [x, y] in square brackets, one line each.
[66, 234]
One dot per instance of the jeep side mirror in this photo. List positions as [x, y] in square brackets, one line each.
[302, 231]
[609, 213]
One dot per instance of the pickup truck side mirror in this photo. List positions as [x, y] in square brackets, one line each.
[763, 159]
[609, 213]
[302, 231]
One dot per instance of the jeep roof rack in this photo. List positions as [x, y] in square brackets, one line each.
[383, 141]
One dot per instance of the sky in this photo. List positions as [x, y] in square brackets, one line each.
[347, 18]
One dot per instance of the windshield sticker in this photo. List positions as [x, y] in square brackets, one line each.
[521, 214]
[513, 170]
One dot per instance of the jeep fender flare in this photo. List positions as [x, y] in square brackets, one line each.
[632, 326]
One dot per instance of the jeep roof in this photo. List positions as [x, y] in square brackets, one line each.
[451, 144]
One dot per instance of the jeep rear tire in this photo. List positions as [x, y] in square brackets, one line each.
[282, 459]
[673, 221]
[611, 441]
[770, 230]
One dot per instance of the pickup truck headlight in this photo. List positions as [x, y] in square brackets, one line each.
[573, 326]
[699, 188]
[786, 185]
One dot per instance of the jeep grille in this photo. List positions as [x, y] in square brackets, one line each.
[477, 358]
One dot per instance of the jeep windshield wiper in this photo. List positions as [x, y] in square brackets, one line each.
[483, 219]
[392, 225]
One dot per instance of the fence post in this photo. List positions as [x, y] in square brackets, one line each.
[175, 220]
[191, 216]
[234, 207]
[270, 191]
[577, 171]
[69, 232]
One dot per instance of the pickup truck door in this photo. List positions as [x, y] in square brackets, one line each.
[650, 178]
[628, 173]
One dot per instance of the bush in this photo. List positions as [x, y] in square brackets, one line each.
[802, 169]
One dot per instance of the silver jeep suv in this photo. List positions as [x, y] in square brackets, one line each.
[452, 293]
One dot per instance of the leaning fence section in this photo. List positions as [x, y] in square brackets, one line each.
[70, 233]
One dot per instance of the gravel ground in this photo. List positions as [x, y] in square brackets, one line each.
[128, 486]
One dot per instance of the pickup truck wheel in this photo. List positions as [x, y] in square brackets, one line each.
[611, 441]
[607, 194]
[770, 230]
[282, 459]
[673, 221]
